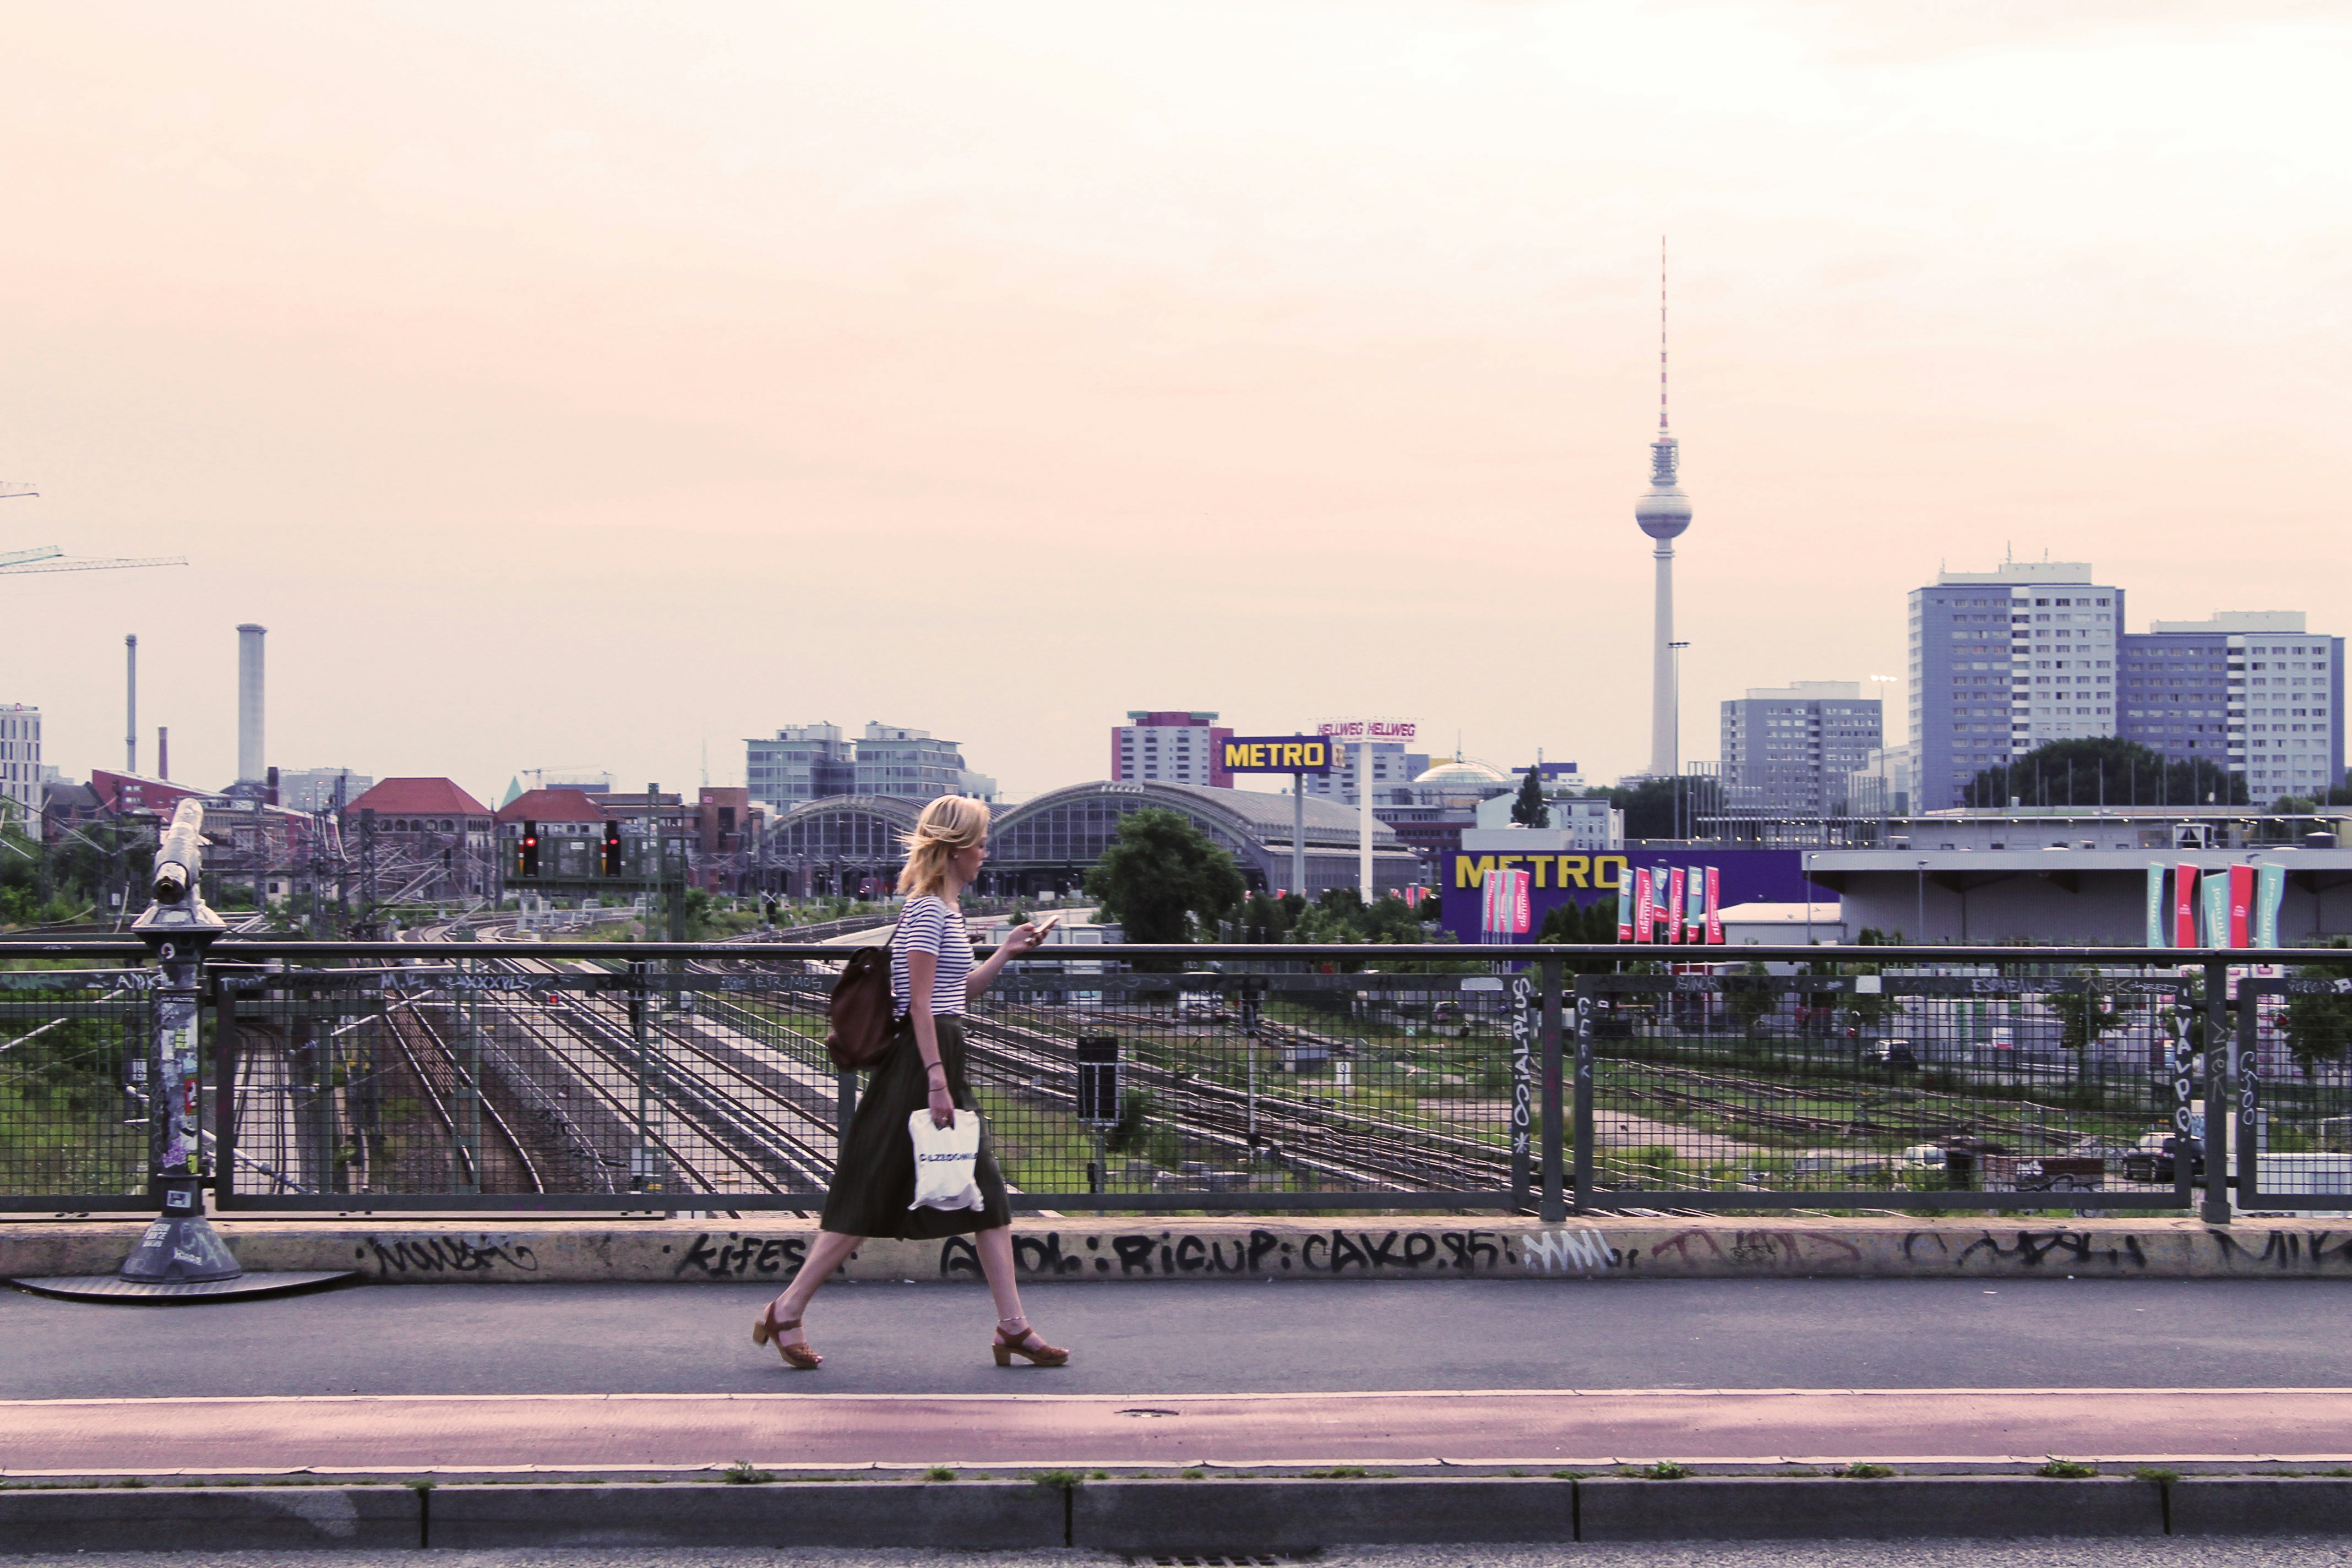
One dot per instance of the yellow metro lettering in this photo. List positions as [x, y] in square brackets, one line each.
[1600, 876]
[1573, 868]
[1469, 873]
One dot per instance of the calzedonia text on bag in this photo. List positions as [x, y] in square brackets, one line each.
[945, 1159]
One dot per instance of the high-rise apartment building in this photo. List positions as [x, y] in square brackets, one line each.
[20, 764]
[1393, 770]
[2004, 661]
[1787, 749]
[2249, 690]
[1180, 746]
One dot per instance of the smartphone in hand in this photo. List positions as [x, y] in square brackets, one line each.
[1048, 923]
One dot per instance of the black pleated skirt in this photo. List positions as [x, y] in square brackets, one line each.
[875, 1182]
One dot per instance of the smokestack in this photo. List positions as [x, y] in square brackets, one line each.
[131, 721]
[163, 751]
[248, 703]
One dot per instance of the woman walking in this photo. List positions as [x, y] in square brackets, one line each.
[932, 980]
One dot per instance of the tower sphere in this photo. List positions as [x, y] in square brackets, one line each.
[1665, 511]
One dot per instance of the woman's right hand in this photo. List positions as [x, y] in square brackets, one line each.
[942, 1106]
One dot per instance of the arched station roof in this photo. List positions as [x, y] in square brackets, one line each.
[854, 827]
[1074, 825]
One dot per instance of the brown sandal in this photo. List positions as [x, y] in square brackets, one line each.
[1027, 1344]
[767, 1329]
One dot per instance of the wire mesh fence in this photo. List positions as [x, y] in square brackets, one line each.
[507, 1077]
[73, 1084]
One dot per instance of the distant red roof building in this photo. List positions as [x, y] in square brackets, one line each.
[119, 793]
[552, 805]
[419, 797]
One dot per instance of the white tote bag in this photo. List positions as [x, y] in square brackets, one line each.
[944, 1160]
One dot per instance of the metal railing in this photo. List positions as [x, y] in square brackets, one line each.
[691, 1078]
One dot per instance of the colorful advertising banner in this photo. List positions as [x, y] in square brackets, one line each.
[2270, 892]
[1642, 903]
[2156, 907]
[2184, 906]
[1694, 906]
[1625, 886]
[1582, 879]
[2242, 906]
[1714, 907]
[1507, 911]
[1674, 879]
[2216, 889]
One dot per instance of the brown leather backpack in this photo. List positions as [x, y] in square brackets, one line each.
[859, 1017]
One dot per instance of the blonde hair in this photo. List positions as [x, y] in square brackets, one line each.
[948, 825]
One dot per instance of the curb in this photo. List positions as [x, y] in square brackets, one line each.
[1232, 1518]
[535, 1250]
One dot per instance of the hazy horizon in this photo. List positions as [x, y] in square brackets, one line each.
[570, 385]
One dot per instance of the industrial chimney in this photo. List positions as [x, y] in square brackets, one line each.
[248, 703]
[131, 700]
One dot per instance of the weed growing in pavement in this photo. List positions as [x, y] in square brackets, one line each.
[1191, 1475]
[2151, 1473]
[938, 1473]
[2058, 1470]
[1867, 1472]
[1339, 1473]
[1665, 1470]
[742, 1473]
[1569, 1475]
[1097, 1475]
[1060, 1480]
[131, 1483]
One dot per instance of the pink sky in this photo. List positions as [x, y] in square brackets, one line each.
[575, 384]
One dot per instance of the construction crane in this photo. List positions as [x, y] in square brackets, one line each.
[49, 558]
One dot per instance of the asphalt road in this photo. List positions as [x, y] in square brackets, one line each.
[1203, 1338]
[2200, 1552]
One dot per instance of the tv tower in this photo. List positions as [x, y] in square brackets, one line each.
[1663, 513]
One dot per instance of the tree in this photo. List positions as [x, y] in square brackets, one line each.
[1162, 877]
[1582, 925]
[2083, 1016]
[1753, 1002]
[1649, 806]
[1529, 810]
[2319, 1028]
[2103, 771]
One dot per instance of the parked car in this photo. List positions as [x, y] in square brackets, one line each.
[2156, 1158]
[1896, 1054]
[1921, 1157]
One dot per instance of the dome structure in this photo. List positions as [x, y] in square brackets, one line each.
[1458, 782]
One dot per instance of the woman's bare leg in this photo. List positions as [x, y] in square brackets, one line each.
[995, 1248]
[825, 1254]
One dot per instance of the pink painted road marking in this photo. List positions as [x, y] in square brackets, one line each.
[592, 1432]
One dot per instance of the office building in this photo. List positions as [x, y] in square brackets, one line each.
[912, 764]
[20, 764]
[2004, 661]
[2251, 692]
[802, 762]
[817, 761]
[1180, 746]
[313, 789]
[1787, 750]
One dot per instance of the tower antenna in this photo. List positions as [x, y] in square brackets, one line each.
[1662, 335]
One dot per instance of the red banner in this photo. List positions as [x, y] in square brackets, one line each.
[2242, 906]
[2184, 907]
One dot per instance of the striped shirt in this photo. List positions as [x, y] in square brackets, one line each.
[930, 925]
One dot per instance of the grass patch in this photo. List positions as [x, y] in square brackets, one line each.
[938, 1473]
[1867, 1472]
[2058, 1470]
[2151, 1473]
[743, 1473]
[1060, 1480]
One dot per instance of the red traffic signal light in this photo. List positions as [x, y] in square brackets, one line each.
[611, 849]
[529, 857]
